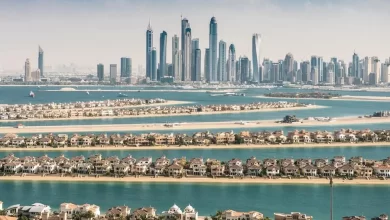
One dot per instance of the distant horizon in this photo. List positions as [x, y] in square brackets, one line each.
[86, 33]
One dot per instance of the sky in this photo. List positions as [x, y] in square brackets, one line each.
[87, 32]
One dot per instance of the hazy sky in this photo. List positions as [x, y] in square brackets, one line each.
[86, 32]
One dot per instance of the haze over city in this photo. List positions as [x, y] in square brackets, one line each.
[102, 31]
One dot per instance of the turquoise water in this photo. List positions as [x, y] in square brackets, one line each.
[313, 200]
[336, 108]
[206, 198]
[227, 154]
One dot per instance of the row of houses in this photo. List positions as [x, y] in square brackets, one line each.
[18, 108]
[69, 211]
[95, 112]
[112, 165]
[199, 138]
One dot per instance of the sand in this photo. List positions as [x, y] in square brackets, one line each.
[169, 115]
[201, 126]
[341, 98]
[143, 90]
[161, 179]
[194, 147]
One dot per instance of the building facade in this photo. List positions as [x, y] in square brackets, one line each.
[256, 40]
[100, 72]
[163, 56]
[222, 62]
[149, 51]
[213, 46]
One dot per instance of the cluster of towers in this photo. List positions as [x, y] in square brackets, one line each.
[316, 71]
[34, 76]
[125, 71]
[220, 65]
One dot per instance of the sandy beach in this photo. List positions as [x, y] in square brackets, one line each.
[204, 180]
[341, 98]
[168, 115]
[194, 147]
[201, 126]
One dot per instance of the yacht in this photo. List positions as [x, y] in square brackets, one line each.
[32, 95]
[122, 95]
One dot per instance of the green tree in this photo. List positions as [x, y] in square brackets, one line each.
[238, 139]
[267, 218]
[22, 217]
[3, 212]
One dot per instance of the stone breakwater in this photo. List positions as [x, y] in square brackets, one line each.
[152, 111]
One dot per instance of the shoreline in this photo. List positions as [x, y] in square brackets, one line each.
[169, 115]
[196, 147]
[201, 126]
[195, 180]
[341, 98]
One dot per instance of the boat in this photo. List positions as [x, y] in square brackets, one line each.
[87, 92]
[32, 95]
[122, 95]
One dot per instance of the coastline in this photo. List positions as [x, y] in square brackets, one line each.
[352, 120]
[196, 180]
[195, 147]
[169, 115]
[342, 98]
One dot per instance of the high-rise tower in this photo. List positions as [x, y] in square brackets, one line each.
[288, 65]
[256, 40]
[40, 60]
[100, 72]
[149, 48]
[184, 25]
[213, 46]
[207, 64]
[222, 62]
[231, 64]
[27, 71]
[186, 76]
[154, 64]
[163, 55]
[176, 58]
[194, 47]
[126, 67]
[355, 66]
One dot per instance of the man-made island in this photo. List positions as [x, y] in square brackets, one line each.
[242, 139]
[96, 113]
[92, 212]
[305, 95]
[356, 170]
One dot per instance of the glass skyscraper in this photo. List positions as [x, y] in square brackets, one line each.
[126, 67]
[231, 64]
[176, 58]
[355, 66]
[154, 65]
[184, 25]
[149, 48]
[207, 64]
[244, 66]
[213, 46]
[186, 76]
[40, 60]
[222, 62]
[194, 47]
[163, 55]
[100, 72]
[256, 40]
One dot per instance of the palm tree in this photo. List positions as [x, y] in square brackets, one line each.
[267, 218]
[217, 216]
[3, 213]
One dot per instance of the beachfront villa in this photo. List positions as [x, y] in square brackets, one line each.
[72, 209]
[34, 211]
[175, 212]
[198, 139]
[96, 165]
[292, 216]
[235, 215]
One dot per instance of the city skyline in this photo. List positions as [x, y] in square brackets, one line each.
[301, 44]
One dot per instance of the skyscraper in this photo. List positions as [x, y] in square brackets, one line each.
[100, 72]
[238, 70]
[40, 60]
[267, 67]
[222, 62]
[176, 58]
[149, 48]
[288, 65]
[244, 64]
[306, 71]
[113, 73]
[154, 64]
[367, 69]
[184, 25]
[256, 40]
[330, 73]
[375, 68]
[163, 56]
[320, 66]
[126, 67]
[355, 66]
[194, 47]
[186, 76]
[198, 65]
[207, 64]
[213, 46]
[231, 64]
[314, 75]
[27, 71]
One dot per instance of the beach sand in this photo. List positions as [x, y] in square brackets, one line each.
[341, 98]
[204, 180]
[194, 147]
[169, 115]
[201, 126]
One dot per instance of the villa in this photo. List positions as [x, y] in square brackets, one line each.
[234, 215]
[292, 216]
